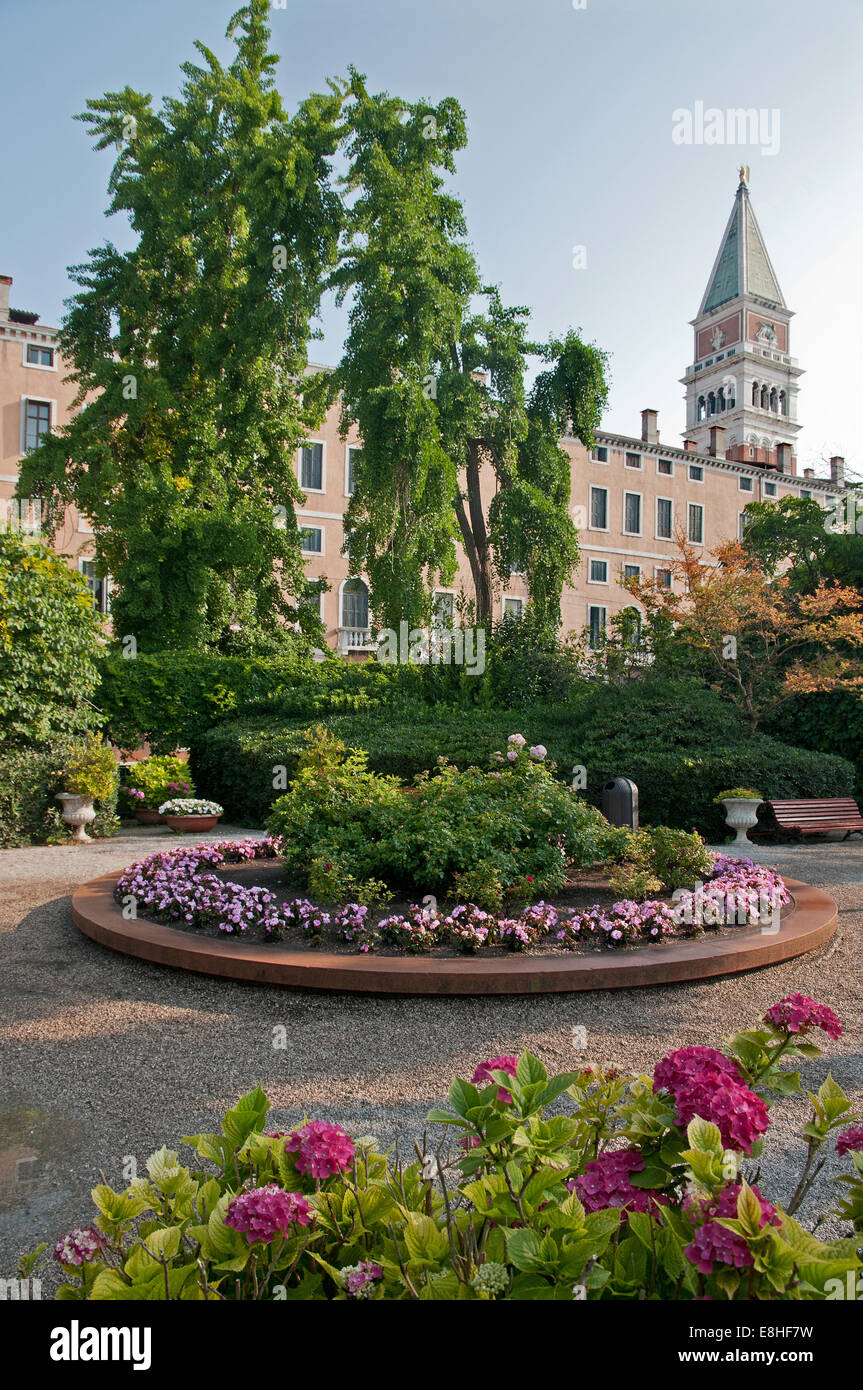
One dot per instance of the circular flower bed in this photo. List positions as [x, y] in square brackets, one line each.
[177, 886]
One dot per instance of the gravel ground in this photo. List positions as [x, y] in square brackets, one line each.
[103, 1057]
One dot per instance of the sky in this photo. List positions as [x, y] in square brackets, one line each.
[570, 107]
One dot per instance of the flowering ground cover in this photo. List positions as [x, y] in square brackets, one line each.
[592, 1185]
[180, 887]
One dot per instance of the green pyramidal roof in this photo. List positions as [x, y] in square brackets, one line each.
[743, 265]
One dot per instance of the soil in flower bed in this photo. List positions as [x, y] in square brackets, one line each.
[583, 889]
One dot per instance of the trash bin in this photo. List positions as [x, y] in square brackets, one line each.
[620, 802]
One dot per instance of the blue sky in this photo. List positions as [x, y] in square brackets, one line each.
[570, 120]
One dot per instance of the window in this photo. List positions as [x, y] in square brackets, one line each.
[96, 584]
[632, 513]
[598, 572]
[632, 572]
[352, 457]
[664, 518]
[663, 578]
[312, 540]
[665, 466]
[632, 461]
[599, 508]
[769, 489]
[804, 492]
[355, 604]
[696, 473]
[443, 610]
[596, 621]
[312, 467]
[744, 484]
[314, 600]
[39, 356]
[695, 523]
[600, 454]
[513, 607]
[37, 422]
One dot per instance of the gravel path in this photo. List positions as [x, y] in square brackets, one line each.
[103, 1058]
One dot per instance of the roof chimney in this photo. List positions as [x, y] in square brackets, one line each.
[809, 472]
[717, 441]
[783, 458]
[690, 446]
[649, 429]
[837, 470]
[5, 282]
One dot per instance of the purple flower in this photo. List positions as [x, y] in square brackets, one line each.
[79, 1246]
[266, 1212]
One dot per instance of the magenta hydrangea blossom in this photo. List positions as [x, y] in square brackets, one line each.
[322, 1149]
[482, 1076]
[713, 1243]
[606, 1182]
[359, 1279]
[850, 1140]
[797, 1013]
[263, 1213]
[79, 1246]
[704, 1082]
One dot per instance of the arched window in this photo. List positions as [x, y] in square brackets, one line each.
[774, 400]
[765, 397]
[755, 392]
[355, 605]
[783, 403]
[711, 404]
[701, 408]
[720, 400]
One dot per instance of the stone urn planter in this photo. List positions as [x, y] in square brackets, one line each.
[187, 825]
[77, 811]
[148, 815]
[741, 814]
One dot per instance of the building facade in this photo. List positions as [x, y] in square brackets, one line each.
[630, 497]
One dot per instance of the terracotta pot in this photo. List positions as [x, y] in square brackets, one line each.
[188, 825]
[148, 815]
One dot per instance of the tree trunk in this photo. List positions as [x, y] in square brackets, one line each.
[475, 537]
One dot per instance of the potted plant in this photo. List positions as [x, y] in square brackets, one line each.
[154, 780]
[741, 811]
[90, 775]
[187, 814]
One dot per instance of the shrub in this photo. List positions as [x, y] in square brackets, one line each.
[663, 858]
[29, 779]
[504, 829]
[154, 780]
[635, 1187]
[49, 639]
[91, 770]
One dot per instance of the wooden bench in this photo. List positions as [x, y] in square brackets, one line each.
[811, 817]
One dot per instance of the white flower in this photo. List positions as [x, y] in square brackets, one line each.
[190, 806]
[518, 739]
[512, 755]
[538, 752]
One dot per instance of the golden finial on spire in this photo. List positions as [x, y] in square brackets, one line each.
[744, 173]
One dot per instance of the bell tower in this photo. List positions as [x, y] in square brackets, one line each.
[741, 388]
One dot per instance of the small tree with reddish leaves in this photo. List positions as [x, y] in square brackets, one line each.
[765, 641]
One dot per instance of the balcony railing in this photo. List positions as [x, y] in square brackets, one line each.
[355, 639]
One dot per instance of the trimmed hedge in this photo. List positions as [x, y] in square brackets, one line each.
[680, 743]
[28, 812]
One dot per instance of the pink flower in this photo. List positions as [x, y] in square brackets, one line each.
[850, 1140]
[512, 755]
[266, 1212]
[482, 1075]
[714, 1244]
[606, 1182]
[797, 1013]
[538, 752]
[517, 739]
[79, 1246]
[322, 1149]
[359, 1279]
[706, 1083]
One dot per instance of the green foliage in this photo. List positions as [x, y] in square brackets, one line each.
[91, 770]
[29, 780]
[673, 858]
[492, 1218]
[188, 349]
[738, 793]
[49, 640]
[159, 778]
[488, 831]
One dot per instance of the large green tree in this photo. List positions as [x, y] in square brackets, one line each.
[190, 350]
[433, 375]
[817, 544]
